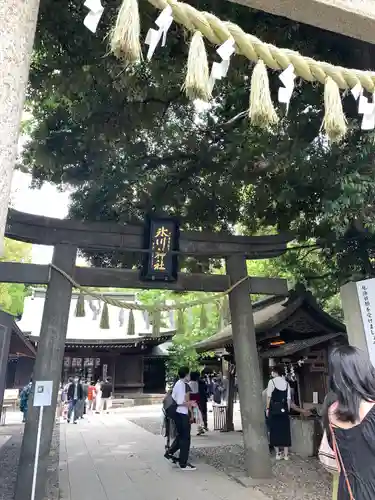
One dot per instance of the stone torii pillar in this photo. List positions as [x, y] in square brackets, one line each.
[17, 31]
[48, 365]
[257, 459]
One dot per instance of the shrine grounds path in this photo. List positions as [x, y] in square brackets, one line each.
[108, 457]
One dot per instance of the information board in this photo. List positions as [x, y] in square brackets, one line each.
[43, 393]
[366, 297]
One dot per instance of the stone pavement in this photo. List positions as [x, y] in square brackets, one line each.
[108, 457]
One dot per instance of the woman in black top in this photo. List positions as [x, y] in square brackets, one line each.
[350, 421]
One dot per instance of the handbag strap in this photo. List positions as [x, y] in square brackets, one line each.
[341, 463]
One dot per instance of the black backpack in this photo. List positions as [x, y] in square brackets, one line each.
[169, 406]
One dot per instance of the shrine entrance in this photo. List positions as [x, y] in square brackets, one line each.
[67, 236]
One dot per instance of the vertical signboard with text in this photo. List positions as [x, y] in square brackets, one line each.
[366, 297]
[161, 240]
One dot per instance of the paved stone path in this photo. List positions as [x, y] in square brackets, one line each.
[109, 458]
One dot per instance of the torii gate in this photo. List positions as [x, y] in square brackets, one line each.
[67, 237]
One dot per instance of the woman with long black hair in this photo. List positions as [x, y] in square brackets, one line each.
[350, 422]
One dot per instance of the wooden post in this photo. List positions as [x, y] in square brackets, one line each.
[230, 399]
[113, 374]
[50, 355]
[17, 31]
[257, 459]
[6, 321]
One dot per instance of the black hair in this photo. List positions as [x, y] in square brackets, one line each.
[183, 371]
[194, 376]
[279, 369]
[352, 380]
[328, 402]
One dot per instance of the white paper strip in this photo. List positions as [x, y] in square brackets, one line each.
[357, 91]
[92, 19]
[153, 37]
[220, 70]
[368, 122]
[226, 50]
[287, 78]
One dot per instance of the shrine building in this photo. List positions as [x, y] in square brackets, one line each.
[135, 360]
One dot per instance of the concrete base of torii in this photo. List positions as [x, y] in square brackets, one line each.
[354, 18]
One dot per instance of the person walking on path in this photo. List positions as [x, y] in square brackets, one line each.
[98, 397]
[350, 422]
[203, 399]
[90, 396]
[277, 413]
[195, 399]
[75, 395]
[180, 395]
[107, 395]
[24, 400]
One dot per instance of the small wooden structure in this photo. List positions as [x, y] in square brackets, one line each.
[296, 332]
[15, 351]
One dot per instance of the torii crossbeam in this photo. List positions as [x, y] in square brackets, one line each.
[354, 18]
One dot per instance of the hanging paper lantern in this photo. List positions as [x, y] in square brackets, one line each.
[131, 323]
[225, 318]
[181, 321]
[146, 317]
[156, 323]
[104, 320]
[80, 307]
[203, 318]
[121, 317]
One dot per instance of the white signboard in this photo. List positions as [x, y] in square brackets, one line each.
[43, 393]
[366, 297]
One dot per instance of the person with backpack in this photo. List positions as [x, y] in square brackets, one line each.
[178, 408]
[277, 412]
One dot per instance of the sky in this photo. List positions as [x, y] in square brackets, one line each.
[45, 201]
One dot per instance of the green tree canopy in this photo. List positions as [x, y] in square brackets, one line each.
[128, 141]
[12, 295]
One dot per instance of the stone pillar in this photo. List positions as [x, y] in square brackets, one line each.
[230, 400]
[353, 315]
[17, 30]
[6, 321]
[49, 360]
[257, 459]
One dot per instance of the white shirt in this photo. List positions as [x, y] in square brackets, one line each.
[194, 386]
[179, 395]
[279, 383]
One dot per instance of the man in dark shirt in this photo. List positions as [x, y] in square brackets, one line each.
[75, 396]
[107, 394]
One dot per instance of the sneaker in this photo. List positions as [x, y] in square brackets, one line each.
[279, 456]
[188, 467]
[170, 458]
[286, 457]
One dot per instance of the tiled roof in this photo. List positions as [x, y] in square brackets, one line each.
[273, 312]
[298, 345]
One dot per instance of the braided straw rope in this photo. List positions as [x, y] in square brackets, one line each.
[142, 307]
[218, 31]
